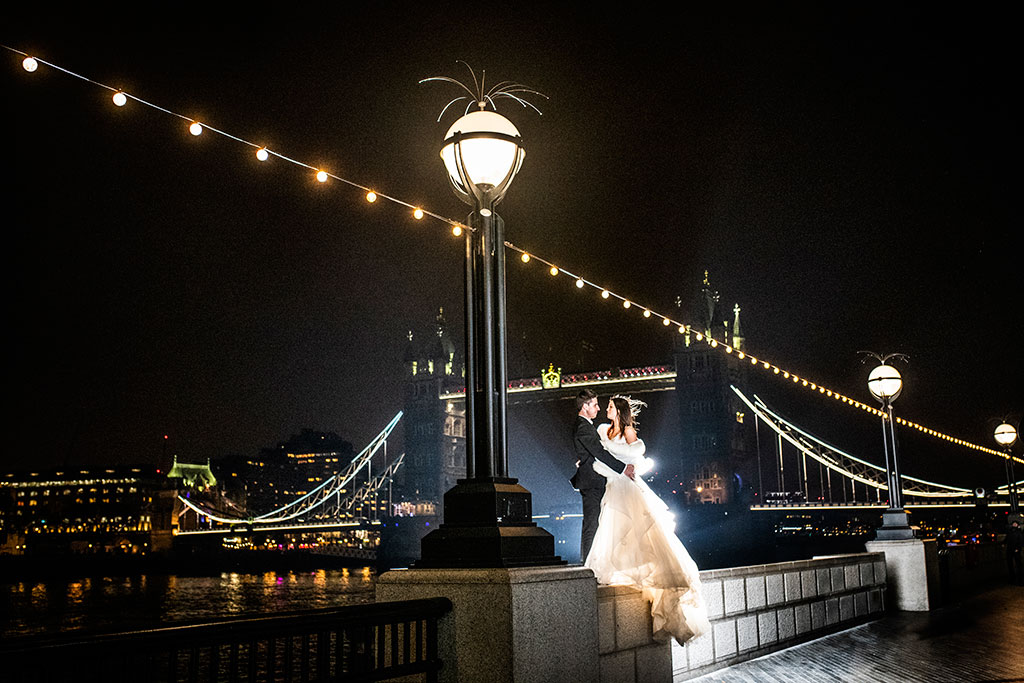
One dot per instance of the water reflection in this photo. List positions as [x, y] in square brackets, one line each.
[143, 601]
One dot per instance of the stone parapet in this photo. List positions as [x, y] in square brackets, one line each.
[753, 610]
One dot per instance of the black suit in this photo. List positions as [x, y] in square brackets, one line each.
[587, 445]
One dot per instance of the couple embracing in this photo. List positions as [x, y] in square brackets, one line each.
[628, 532]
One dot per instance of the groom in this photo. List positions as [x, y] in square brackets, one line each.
[589, 483]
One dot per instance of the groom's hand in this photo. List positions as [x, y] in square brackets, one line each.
[629, 471]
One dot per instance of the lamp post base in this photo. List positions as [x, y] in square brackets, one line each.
[895, 526]
[488, 523]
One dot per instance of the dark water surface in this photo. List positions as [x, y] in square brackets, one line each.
[144, 600]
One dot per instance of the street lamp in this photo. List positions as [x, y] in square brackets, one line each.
[488, 515]
[1005, 435]
[885, 384]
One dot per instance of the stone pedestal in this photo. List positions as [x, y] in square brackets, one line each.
[912, 572]
[521, 624]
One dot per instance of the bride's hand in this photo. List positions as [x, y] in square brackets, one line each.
[629, 472]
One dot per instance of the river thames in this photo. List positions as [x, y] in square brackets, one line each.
[150, 600]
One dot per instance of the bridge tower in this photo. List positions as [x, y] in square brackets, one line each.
[435, 429]
[716, 450]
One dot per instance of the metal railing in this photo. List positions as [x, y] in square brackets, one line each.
[373, 642]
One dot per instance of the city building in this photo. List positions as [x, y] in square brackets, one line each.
[435, 429]
[717, 448]
[105, 510]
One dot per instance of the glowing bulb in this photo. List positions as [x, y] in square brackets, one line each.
[456, 230]
[321, 176]
[766, 365]
[728, 349]
[714, 343]
[647, 314]
[553, 270]
[626, 304]
[417, 214]
[371, 196]
[30, 64]
[525, 257]
[776, 371]
[741, 355]
[682, 329]
[196, 128]
[262, 154]
[605, 294]
[120, 99]
[666, 322]
[579, 283]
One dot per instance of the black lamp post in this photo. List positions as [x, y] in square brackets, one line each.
[1005, 435]
[885, 384]
[488, 515]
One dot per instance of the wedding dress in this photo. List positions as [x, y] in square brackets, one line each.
[636, 545]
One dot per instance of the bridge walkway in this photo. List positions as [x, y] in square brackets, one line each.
[977, 638]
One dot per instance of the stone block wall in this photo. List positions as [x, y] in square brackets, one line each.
[754, 610]
[626, 649]
[762, 608]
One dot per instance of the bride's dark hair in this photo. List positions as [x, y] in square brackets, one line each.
[624, 415]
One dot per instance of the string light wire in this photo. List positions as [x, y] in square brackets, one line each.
[527, 256]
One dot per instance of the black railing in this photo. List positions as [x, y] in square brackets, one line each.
[372, 642]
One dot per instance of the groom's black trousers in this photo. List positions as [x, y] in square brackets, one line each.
[591, 515]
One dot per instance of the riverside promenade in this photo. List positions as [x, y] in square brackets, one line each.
[972, 639]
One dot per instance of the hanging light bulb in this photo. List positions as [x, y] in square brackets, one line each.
[579, 283]
[666, 322]
[647, 313]
[29, 64]
[626, 304]
[262, 154]
[418, 214]
[605, 294]
[195, 128]
[457, 230]
[553, 270]
[321, 176]
[120, 99]
[371, 196]
[525, 257]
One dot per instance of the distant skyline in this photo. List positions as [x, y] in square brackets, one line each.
[844, 174]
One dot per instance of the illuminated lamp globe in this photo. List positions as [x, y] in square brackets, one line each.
[482, 152]
[885, 383]
[1005, 434]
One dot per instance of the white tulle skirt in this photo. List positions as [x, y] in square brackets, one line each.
[636, 545]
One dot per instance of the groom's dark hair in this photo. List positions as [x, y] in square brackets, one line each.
[582, 397]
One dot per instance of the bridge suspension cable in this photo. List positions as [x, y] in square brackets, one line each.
[318, 496]
[839, 461]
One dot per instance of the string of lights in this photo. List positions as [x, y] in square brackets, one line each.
[121, 98]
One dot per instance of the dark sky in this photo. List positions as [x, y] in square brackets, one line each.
[843, 173]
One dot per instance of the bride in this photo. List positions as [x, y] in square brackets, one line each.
[635, 544]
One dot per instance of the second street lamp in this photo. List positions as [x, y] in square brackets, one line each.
[488, 515]
[885, 384]
[1005, 435]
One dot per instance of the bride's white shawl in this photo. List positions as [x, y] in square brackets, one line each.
[629, 453]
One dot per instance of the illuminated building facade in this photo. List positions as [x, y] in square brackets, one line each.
[716, 448]
[435, 429]
[279, 475]
[114, 510]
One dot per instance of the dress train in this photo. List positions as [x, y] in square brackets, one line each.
[636, 545]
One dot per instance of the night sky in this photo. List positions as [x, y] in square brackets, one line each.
[843, 174]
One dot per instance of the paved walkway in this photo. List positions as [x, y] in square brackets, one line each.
[980, 638]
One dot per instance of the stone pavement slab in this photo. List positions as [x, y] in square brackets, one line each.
[978, 638]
